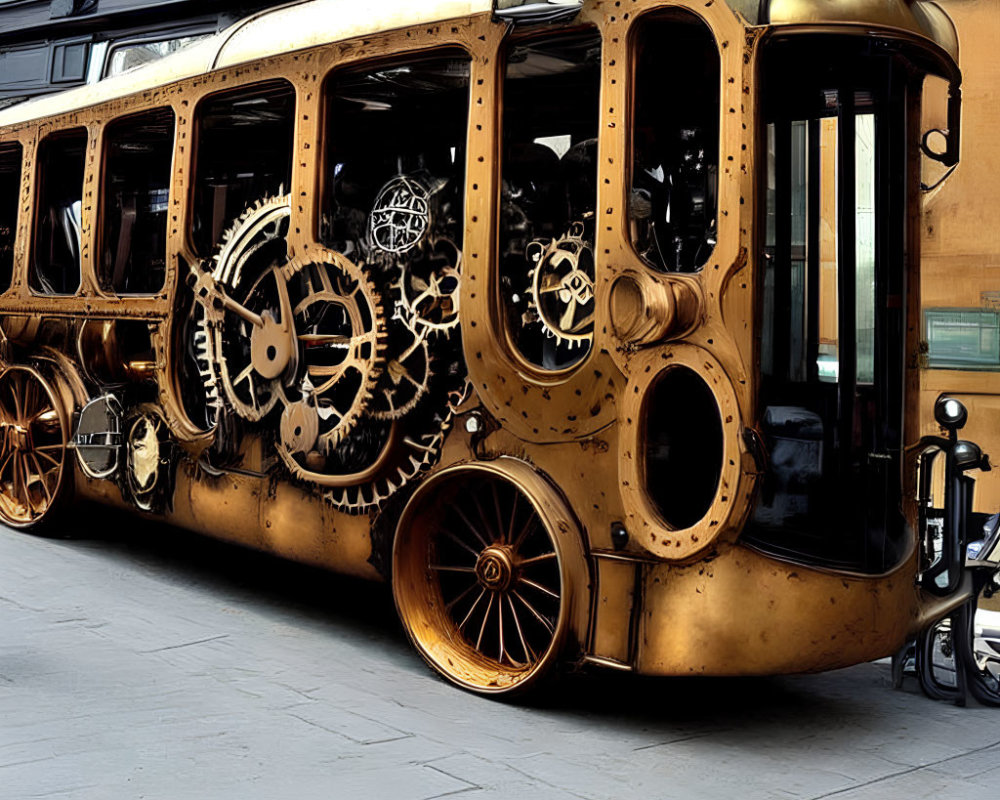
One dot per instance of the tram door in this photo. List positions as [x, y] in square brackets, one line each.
[833, 313]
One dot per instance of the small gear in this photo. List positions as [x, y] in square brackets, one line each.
[428, 290]
[406, 379]
[562, 287]
[247, 315]
[340, 330]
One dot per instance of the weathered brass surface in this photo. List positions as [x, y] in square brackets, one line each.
[557, 454]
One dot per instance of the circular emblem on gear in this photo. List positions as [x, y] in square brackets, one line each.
[401, 216]
[562, 287]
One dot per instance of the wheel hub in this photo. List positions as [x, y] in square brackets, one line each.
[495, 569]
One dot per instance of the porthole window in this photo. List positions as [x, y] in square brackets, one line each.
[684, 447]
[549, 196]
[10, 191]
[675, 151]
[58, 214]
[138, 153]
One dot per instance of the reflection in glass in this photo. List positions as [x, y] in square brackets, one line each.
[675, 168]
[61, 162]
[10, 192]
[549, 196]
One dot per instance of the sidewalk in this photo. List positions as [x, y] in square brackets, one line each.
[161, 665]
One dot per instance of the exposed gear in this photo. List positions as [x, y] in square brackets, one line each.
[562, 287]
[401, 216]
[415, 455]
[247, 316]
[406, 379]
[428, 290]
[340, 329]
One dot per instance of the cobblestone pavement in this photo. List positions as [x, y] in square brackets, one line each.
[150, 663]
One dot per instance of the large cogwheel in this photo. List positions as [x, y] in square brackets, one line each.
[247, 320]
[339, 326]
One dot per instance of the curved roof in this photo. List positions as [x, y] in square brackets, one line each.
[309, 23]
[294, 26]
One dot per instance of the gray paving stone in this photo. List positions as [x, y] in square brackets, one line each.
[155, 664]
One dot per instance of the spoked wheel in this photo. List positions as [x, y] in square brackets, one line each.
[33, 438]
[481, 576]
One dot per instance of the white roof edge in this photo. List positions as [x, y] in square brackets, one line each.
[286, 29]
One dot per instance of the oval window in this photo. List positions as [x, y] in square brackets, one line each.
[684, 447]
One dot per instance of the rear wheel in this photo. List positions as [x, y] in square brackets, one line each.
[33, 439]
[481, 576]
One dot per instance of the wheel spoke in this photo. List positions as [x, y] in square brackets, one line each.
[485, 521]
[486, 618]
[444, 568]
[459, 542]
[7, 462]
[41, 478]
[537, 586]
[531, 608]
[461, 625]
[39, 451]
[500, 628]
[501, 528]
[527, 562]
[529, 654]
[524, 532]
[470, 526]
[513, 518]
[15, 393]
[452, 603]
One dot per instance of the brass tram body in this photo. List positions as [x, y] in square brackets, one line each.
[634, 592]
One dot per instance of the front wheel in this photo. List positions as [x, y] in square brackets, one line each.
[33, 440]
[485, 564]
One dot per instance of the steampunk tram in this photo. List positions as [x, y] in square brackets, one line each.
[589, 326]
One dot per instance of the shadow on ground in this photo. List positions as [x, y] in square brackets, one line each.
[332, 603]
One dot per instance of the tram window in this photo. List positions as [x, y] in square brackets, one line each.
[396, 168]
[137, 157]
[675, 151]
[245, 142]
[549, 196]
[61, 164]
[10, 192]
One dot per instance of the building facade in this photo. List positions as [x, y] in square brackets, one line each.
[50, 45]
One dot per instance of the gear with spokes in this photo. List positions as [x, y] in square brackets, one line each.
[339, 328]
[561, 287]
[427, 291]
[247, 320]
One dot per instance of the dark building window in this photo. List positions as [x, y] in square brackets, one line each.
[61, 162]
[138, 156]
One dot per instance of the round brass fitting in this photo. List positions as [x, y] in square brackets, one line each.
[647, 309]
